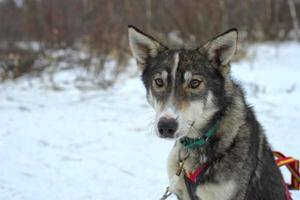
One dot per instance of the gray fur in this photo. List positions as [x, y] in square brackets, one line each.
[242, 166]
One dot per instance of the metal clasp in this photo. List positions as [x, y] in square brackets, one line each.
[180, 168]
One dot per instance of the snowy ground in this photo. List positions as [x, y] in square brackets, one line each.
[74, 145]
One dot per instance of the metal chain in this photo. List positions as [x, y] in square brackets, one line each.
[166, 194]
[179, 170]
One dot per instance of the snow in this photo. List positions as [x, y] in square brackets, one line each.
[99, 144]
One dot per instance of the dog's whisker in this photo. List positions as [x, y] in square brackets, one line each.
[151, 126]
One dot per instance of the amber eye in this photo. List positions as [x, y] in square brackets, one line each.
[159, 82]
[194, 83]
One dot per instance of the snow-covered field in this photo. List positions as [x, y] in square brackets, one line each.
[75, 145]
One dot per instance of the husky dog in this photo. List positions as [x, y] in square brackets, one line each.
[191, 91]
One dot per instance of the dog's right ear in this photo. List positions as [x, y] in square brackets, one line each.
[143, 46]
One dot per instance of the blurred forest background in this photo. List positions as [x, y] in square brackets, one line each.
[39, 35]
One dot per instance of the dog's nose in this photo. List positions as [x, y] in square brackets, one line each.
[167, 127]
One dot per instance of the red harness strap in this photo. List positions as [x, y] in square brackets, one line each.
[193, 176]
[192, 179]
[293, 166]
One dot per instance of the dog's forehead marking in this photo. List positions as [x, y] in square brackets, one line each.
[164, 74]
[169, 108]
[175, 66]
[187, 75]
[174, 70]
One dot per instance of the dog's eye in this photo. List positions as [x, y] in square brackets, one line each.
[194, 83]
[159, 82]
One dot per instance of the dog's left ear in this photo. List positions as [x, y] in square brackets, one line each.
[221, 49]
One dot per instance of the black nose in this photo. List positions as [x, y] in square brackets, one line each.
[167, 127]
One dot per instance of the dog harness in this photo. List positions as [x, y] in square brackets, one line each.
[293, 166]
[193, 179]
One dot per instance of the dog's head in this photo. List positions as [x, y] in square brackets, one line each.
[184, 86]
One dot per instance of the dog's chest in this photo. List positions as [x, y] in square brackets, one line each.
[207, 191]
[219, 191]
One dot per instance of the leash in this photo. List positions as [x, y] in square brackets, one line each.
[166, 194]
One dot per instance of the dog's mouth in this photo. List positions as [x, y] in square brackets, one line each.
[167, 137]
[175, 136]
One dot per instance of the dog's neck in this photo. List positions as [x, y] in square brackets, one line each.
[225, 134]
[209, 134]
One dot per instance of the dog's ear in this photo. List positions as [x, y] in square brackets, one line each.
[221, 49]
[143, 46]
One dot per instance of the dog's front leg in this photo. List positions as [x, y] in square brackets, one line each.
[177, 184]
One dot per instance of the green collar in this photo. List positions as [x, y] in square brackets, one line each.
[192, 143]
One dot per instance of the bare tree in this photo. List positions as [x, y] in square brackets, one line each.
[294, 18]
[101, 25]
